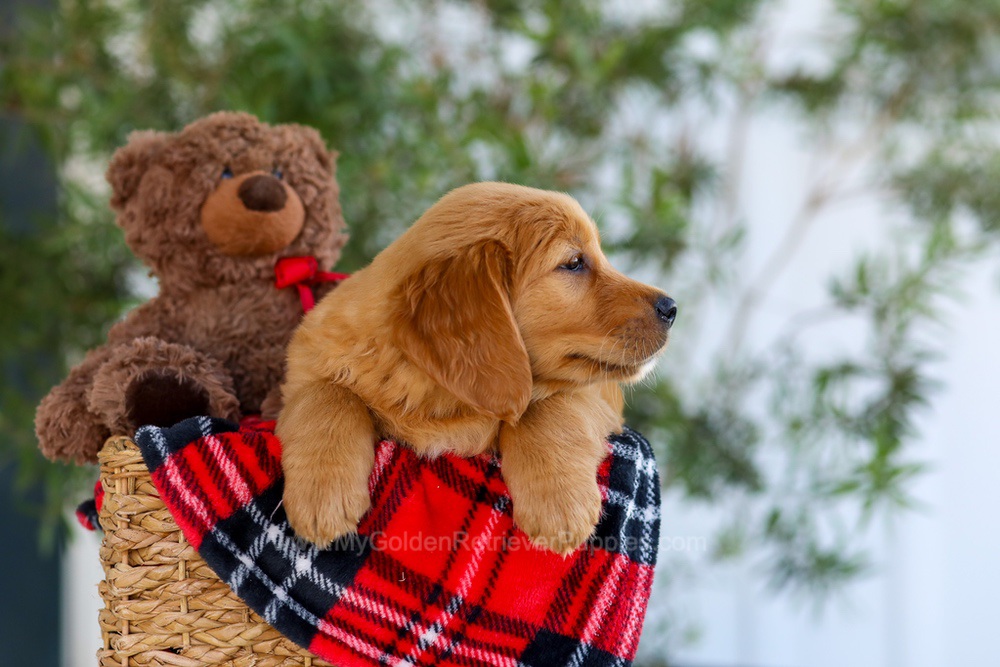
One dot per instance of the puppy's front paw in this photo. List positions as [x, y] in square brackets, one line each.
[322, 510]
[559, 519]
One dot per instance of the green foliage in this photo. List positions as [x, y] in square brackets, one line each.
[547, 93]
[61, 286]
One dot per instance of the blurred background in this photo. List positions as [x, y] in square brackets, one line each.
[814, 181]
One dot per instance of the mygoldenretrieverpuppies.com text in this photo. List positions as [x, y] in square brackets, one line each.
[418, 541]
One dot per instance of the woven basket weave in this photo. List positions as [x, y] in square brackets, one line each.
[163, 605]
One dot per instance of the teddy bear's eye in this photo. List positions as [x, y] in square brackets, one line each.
[277, 173]
[227, 172]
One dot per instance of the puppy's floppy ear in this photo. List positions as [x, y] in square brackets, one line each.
[456, 324]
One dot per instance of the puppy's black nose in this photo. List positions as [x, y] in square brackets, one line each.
[666, 310]
[262, 193]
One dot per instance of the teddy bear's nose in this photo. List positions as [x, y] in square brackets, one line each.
[262, 193]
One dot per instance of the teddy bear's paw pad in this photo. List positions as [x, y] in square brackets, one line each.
[163, 398]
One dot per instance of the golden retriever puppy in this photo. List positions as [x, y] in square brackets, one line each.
[495, 323]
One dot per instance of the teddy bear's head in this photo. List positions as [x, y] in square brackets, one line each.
[224, 198]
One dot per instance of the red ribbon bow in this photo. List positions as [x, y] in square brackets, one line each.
[303, 272]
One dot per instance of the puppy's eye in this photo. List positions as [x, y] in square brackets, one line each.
[575, 264]
[277, 173]
[227, 172]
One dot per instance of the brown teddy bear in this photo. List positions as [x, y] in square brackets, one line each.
[210, 209]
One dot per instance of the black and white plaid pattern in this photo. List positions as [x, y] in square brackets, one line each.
[360, 603]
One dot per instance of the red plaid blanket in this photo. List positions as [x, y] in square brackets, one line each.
[437, 574]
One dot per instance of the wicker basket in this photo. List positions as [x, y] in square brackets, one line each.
[163, 605]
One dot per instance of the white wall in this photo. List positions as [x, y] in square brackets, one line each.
[933, 598]
[81, 571]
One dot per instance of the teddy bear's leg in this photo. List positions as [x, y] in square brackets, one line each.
[151, 381]
[66, 429]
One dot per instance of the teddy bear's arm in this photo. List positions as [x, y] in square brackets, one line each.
[151, 381]
[66, 429]
[148, 319]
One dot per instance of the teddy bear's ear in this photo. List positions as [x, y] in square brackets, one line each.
[311, 138]
[130, 162]
[331, 159]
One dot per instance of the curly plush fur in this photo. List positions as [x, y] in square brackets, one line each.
[214, 338]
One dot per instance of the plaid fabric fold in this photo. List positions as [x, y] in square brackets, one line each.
[437, 575]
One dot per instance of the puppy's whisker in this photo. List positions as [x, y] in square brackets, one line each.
[600, 352]
[615, 342]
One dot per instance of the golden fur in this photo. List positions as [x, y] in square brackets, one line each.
[471, 332]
